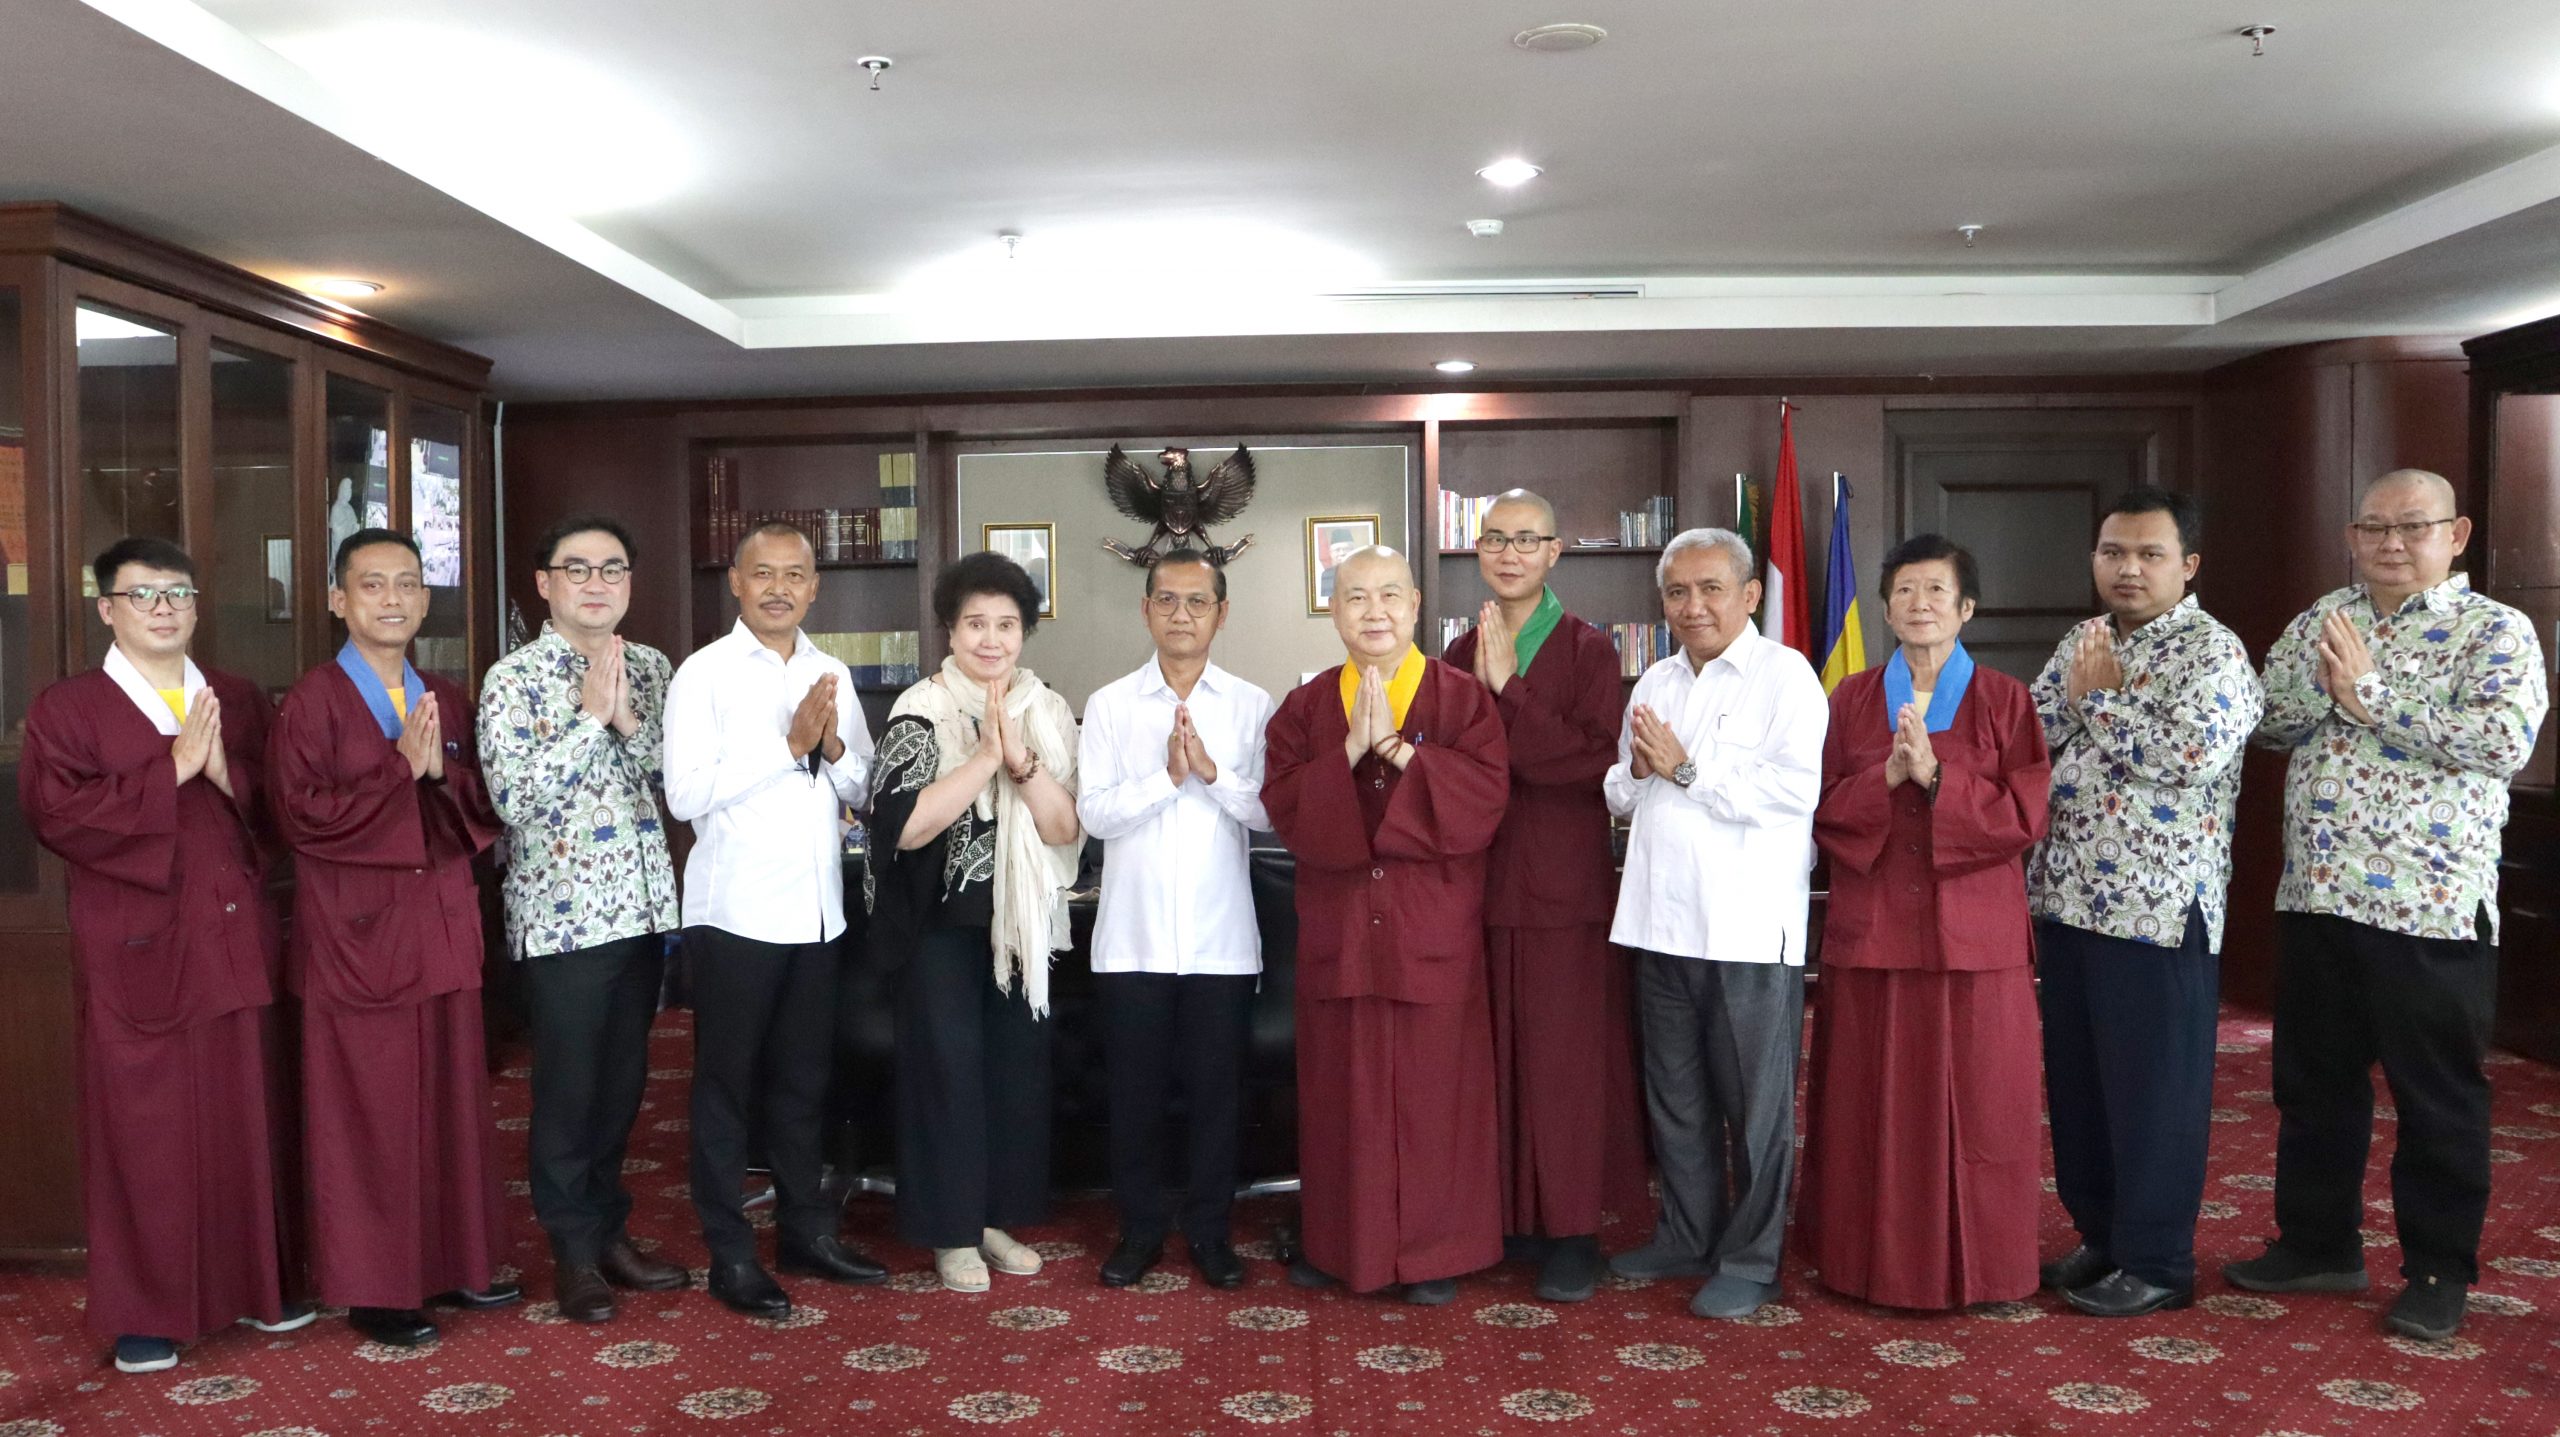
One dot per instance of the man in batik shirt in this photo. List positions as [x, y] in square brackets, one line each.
[2408, 701]
[2147, 710]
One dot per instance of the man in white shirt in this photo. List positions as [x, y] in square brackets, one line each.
[766, 745]
[1172, 764]
[1719, 765]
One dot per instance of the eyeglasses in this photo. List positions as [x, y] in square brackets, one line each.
[2410, 533]
[1197, 606]
[613, 571]
[1494, 541]
[146, 597]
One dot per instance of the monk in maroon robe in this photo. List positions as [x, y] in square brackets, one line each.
[1922, 1146]
[1386, 777]
[143, 775]
[376, 786]
[1564, 1045]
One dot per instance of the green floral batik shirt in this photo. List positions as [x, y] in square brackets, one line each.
[2396, 824]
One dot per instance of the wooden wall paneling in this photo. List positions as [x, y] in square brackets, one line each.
[1732, 434]
[633, 467]
[40, 1183]
[1591, 472]
[2410, 414]
[937, 535]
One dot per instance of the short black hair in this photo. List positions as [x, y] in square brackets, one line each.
[1926, 548]
[1217, 571]
[2182, 510]
[140, 549]
[366, 539]
[775, 528]
[985, 572]
[549, 548]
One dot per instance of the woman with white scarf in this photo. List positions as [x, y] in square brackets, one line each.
[974, 845]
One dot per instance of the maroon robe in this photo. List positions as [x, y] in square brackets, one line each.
[1922, 1146]
[183, 1123]
[1564, 1037]
[1396, 1132]
[385, 957]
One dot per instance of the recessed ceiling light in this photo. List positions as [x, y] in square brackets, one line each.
[342, 287]
[1552, 38]
[1484, 229]
[1508, 173]
[1455, 366]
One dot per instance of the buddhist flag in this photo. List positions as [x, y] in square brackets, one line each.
[1844, 646]
[1782, 595]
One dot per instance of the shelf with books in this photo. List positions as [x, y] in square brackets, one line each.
[715, 566]
[1610, 482]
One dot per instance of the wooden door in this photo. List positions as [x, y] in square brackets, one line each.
[2023, 490]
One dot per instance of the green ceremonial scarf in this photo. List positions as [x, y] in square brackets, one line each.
[1542, 622]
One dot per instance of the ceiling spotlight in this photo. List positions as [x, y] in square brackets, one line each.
[1554, 38]
[1969, 232]
[1484, 229]
[1011, 241]
[2256, 35]
[1455, 366]
[875, 64]
[1509, 173]
[342, 287]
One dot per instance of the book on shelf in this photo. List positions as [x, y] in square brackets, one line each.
[1450, 629]
[1640, 646]
[878, 658]
[898, 505]
[1646, 527]
[1462, 518]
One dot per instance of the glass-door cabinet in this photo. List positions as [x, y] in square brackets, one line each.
[145, 389]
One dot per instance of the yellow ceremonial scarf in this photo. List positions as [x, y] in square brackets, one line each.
[176, 699]
[400, 703]
[1401, 686]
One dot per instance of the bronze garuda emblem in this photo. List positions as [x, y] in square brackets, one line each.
[1181, 508]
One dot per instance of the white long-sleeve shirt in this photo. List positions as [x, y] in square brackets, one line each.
[1722, 870]
[768, 836]
[1177, 889]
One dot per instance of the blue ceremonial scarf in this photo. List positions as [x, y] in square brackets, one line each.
[369, 686]
[1953, 676]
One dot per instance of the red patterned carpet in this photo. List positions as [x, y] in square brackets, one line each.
[1056, 1354]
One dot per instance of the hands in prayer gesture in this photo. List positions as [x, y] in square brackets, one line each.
[422, 740]
[1184, 754]
[1913, 759]
[2093, 664]
[1497, 651]
[198, 747]
[606, 692]
[2344, 658]
[1656, 749]
[1373, 723]
[813, 722]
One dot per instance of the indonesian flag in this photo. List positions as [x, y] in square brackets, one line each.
[1782, 591]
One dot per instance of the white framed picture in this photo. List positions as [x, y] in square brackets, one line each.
[1330, 540]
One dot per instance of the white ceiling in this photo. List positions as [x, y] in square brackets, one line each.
[643, 197]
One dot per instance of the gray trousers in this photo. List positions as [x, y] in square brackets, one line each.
[1720, 1045]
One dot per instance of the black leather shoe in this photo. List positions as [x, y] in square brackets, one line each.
[2281, 1269]
[1303, 1273]
[1129, 1260]
[2079, 1267]
[1217, 1264]
[745, 1287]
[393, 1326]
[2430, 1309]
[582, 1295]
[829, 1258]
[2121, 1294]
[627, 1266]
[496, 1294]
[1571, 1271]
[1438, 1292]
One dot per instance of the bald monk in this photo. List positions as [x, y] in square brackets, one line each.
[1564, 1053]
[1387, 777]
[375, 782]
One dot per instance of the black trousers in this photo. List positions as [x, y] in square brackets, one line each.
[591, 1012]
[2349, 995]
[972, 1072]
[764, 1017]
[1160, 1031]
[2128, 1081]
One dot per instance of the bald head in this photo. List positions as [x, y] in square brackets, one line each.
[1375, 605]
[2406, 535]
[1524, 509]
[2422, 485]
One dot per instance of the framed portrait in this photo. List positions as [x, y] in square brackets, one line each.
[279, 578]
[1035, 548]
[1330, 540]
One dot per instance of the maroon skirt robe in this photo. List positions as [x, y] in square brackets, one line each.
[1396, 1130]
[184, 1125]
[1563, 999]
[385, 956]
[1922, 1146]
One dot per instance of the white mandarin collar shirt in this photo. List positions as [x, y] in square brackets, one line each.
[1177, 889]
[1722, 869]
[768, 836]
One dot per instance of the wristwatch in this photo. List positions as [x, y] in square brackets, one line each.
[1685, 775]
